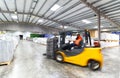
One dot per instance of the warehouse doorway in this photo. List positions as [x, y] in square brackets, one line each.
[21, 37]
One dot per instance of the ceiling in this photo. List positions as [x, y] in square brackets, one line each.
[72, 14]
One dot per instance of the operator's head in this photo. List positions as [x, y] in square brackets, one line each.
[78, 34]
[86, 29]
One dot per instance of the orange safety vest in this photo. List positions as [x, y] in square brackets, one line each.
[77, 42]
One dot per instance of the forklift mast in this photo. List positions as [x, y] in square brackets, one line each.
[62, 38]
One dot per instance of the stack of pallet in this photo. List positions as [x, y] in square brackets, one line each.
[7, 48]
[40, 40]
[6, 51]
[109, 40]
[52, 46]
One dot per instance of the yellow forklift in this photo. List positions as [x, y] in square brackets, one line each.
[83, 55]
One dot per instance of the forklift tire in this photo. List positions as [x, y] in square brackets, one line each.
[59, 58]
[94, 65]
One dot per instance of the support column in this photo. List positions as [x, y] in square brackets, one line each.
[63, 27]
[99, 24]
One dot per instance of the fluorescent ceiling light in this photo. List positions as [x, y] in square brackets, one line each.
[32, 16]
[55, 7]
[61, 26]
[14, 16]
[15, 12]
[97, 26]
[86, 21]
[40, 20]
[105, 30]
[64, 26]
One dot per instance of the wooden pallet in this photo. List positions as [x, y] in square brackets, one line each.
[43, 44]
[5, 63]
[110, 47]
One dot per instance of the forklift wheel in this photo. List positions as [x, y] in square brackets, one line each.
[59, 57]
[94, 65]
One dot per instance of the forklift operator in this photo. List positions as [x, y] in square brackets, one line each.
[76, 42]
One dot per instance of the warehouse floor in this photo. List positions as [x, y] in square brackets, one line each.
[30, 63]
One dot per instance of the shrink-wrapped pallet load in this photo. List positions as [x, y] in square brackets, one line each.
[7, 47]
[40, 40]
[6, 51]
[109, 40]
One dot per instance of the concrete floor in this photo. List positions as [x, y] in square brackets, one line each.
[30, 63]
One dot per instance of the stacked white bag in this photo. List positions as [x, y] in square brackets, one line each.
[8, 44]
[109, 40]
[40, 40]
[6, 51]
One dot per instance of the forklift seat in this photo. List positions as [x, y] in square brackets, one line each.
[77, 50]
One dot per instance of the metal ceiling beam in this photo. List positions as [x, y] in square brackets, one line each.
[89, 18]
[71, 13]
[107, 28]
[5, 17]
[41, 7]
[101, 28]
[1, 19]
[112, 14]
[113, 17]
[27, 18]
[7, 9]
[50, 7]
[104, 23]
[59, 22]
[39, 11]
[4, 11]
[33, 8]
[16, 10]
[24, 10]
[116, 9]
[50, 23]
[109, 5]
[74, 5]
[97, 12]
[84, 16]
[3, 14]
[95, 2]
[110, 8]
[104, 4]
[47, 22]
[117, 19]
[77, 15]
[47, 27]
[73, 17]
[58, 9]
[36, 2]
